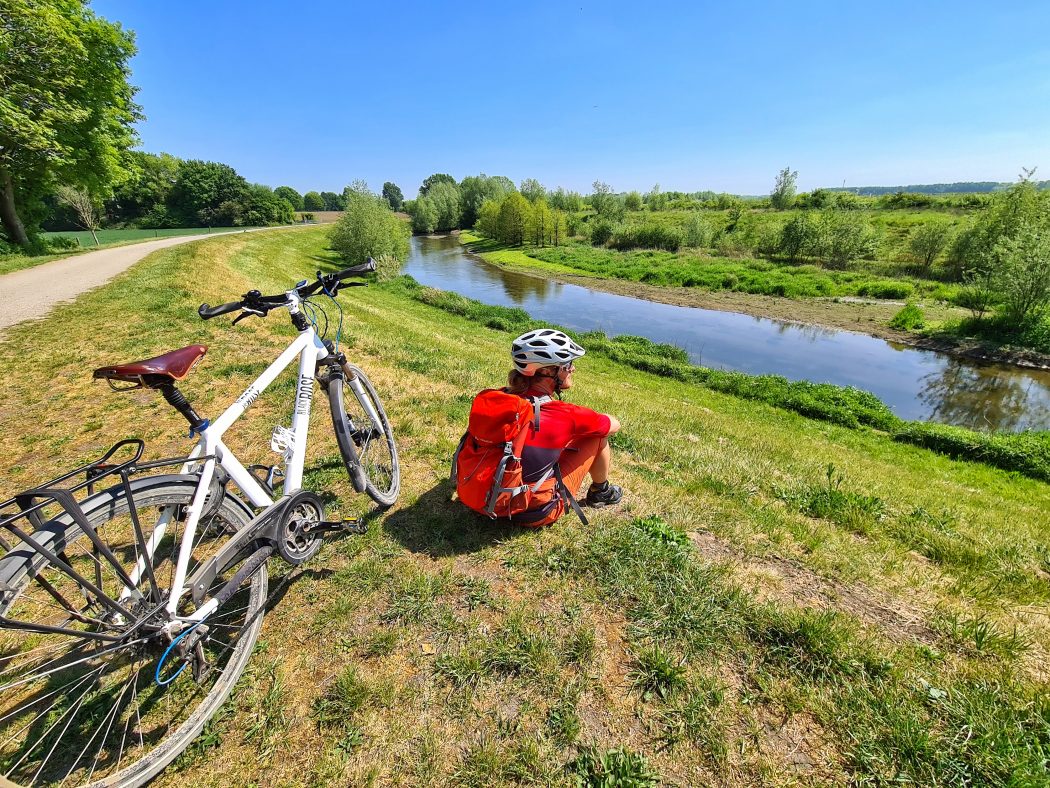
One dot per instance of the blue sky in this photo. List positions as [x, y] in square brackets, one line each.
[693, 95]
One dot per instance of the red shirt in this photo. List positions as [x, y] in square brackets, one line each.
[561, 423]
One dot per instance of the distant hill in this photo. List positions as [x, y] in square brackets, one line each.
[962, 187]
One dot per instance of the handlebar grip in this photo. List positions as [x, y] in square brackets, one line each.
[357, 270]
[208, 312]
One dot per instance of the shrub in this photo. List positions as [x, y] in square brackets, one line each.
[61, 243]
[647, 236]
[368, 228]
[697, 230]
[844, 237]
[886, 289]
[797, 237]
[1025, 452]
[908, 319]
[928, 241]
[976, 295]
[601, 232]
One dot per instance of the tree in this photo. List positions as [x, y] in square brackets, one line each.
[433, 180]
[291, 195]
[208, 194]
[445, 199]
[424, 215]
[606, 204]
[655, 199]
[532, 190]
[540, 222]
[84, 206]
[1021, 273]
[632, 201]
[928, 241]
[66, 107]
[488, 219]
[475, 190]
[368, 228]
[393, 196]
[312, 201]
[783, 194]
[335, 202]
[145, 191]
[513, 222]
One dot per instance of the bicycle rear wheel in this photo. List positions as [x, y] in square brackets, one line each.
[83, 706]
[363, 433]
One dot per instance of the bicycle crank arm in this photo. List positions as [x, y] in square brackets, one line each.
[348, 526]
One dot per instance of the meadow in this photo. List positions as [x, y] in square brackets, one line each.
[780, 600]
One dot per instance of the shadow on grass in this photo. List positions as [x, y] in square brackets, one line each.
[437, 526]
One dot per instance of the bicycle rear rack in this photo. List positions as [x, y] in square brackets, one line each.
[27, 508]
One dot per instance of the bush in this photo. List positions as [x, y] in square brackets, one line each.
[697, 230]
[1025, 452]
[61, 243]
[843, 238]
[647, 236]
[601, 232]
[368, 228]
[908, 319]
[886, 289]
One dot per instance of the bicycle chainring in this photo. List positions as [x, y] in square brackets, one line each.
[293, 544]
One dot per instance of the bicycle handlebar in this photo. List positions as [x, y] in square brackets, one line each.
[255, 302]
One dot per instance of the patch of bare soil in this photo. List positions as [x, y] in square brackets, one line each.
[785, 580]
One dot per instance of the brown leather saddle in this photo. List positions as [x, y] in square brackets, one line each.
[169, 367]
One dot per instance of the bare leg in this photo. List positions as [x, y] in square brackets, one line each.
[602, 463]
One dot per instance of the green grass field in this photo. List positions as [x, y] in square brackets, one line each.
[106, 238]
[779, 601]
[119, 236]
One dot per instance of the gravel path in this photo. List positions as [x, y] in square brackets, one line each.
[33, 292]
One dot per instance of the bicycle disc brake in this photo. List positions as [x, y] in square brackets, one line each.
[294, 543]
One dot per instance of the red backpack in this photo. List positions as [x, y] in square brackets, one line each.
[487, 464]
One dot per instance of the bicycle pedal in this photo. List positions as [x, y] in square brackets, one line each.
[353, 525]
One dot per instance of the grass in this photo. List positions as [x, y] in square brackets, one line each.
[743, 618]
[107, 238]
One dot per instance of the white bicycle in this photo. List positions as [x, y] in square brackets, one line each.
[107, 596]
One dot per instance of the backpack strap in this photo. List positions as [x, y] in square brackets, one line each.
[569, 498]
[537, 403]
[455, 457]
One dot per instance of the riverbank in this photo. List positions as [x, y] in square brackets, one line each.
[866, 316]
[748, 616]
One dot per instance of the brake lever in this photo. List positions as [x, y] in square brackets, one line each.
[246, 314]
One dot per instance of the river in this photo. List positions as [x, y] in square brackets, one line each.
[917, 384]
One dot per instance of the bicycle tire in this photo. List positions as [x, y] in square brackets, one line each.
[371, 464]
[163, 719]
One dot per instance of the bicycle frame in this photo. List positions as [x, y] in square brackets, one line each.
[310, 350]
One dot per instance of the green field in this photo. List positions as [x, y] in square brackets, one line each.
[779, 601]
[106, 238]
[120, 236]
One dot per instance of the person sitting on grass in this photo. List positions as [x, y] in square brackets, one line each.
[575, 437]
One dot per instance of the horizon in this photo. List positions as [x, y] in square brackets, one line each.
[892, 96]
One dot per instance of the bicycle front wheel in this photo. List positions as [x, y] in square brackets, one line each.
[363, 433]
[80, 654]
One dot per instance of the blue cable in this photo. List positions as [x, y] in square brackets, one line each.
[164, 658]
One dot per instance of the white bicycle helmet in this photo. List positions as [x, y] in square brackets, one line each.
[543, 347]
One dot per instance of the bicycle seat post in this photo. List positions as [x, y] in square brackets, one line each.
[178, 400]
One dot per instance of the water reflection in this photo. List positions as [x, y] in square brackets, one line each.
[983, 397]
[916, 384]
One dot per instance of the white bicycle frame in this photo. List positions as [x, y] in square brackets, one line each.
[310, 349]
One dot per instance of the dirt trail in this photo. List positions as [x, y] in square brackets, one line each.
[33, 292]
